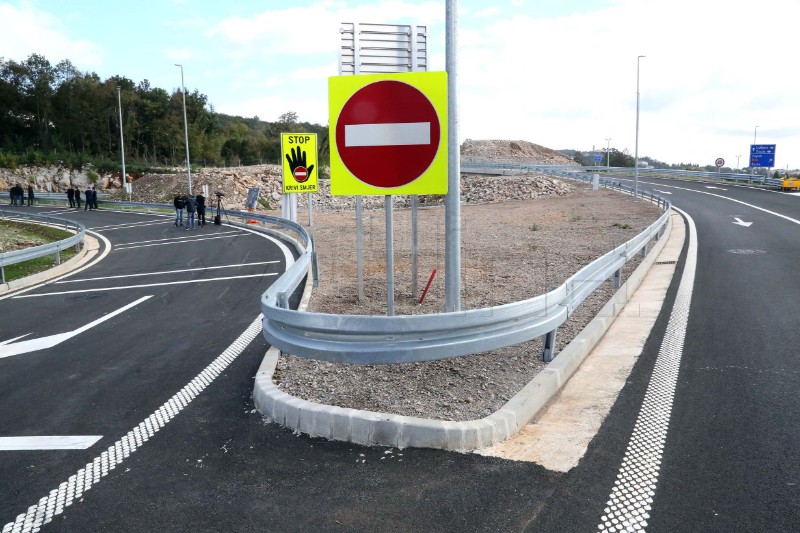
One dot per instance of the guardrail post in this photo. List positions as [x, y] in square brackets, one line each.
[618, 278]
[314, 269]
[644, 250]
[2, 274]
[548, 346]
[282, 300]
[58, 257]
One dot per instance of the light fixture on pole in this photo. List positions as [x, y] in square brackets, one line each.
[186, 130]
[636, 149]
[122, 140]
[608, 153]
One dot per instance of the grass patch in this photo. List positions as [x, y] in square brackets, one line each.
[621, 226]
[534, 227]
[17, 236]
[576, 218]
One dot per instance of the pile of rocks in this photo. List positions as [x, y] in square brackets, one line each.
[502, 150]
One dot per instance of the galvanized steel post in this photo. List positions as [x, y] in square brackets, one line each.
[452, 259]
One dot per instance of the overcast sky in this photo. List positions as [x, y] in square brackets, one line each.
[557, 73]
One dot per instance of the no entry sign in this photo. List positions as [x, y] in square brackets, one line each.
[388, 134]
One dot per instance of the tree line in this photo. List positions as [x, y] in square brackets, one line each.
[55, 113]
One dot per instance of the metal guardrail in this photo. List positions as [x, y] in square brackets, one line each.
[52, 248]
[410, 338]
[510, 167]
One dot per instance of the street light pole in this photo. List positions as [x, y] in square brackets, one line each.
[737, 163]
[755, 134]
[186, 130]
[608, 153]
[636, 149]
[121, 138]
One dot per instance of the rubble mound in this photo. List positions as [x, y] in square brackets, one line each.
[501, 150]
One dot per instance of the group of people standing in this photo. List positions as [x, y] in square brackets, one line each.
[193, 205]
[74, 197]
[17, 194]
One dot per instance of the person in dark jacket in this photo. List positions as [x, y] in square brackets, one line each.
[94, 198]
[201, 209]
[191, 209]
[89, 204]
[30, 195]
[78, 197]
[180, 204]
[71, 196]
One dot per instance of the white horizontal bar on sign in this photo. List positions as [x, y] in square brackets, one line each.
[388, 134]
[61, 442]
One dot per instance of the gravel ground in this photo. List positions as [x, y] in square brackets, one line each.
[511, 251]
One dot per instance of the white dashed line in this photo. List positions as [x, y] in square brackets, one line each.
[631, 498]
[67, 492]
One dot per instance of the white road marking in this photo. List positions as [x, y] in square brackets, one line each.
[42, 343]
[712, 187]
[61, 442]
[631, 498]
[165, 272]
[9, 341]
[662, 192]
[182, 240]
[739, 222]
[183, 282]
[388, 134]
[52, 505]
[790, 219]
[172, 239]
[131, 226]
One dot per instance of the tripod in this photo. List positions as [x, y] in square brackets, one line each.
[217, 217]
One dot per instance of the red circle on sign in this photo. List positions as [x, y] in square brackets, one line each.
[300, 174]
[386, 108]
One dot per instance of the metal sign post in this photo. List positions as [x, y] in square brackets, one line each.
[383, 48]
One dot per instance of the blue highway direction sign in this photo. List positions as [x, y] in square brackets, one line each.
[762, 155]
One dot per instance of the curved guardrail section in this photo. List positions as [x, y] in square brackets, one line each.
[363, 339]
[52, 248]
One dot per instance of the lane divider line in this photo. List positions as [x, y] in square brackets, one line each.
[165, 272]
[84, 479]
[631, 498]
[49, 442]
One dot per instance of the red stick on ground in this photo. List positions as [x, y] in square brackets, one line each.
[428, 286]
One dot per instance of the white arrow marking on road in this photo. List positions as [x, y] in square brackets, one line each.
[712, 187]
[65, 442]
[662, 192]
[739, 222]
[32, 345]
[388, 134]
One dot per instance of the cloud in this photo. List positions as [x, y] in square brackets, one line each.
[27, 30]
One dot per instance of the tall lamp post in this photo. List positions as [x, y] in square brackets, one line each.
[608, 153]
[122, 139]
[636, 149]
[737, 163]
[186, 130]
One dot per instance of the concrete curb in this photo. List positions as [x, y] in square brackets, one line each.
[88, 250]
[384, 429]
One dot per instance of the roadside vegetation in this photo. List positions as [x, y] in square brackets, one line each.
[16, 236]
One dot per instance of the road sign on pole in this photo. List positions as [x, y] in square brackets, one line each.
[299, 158]
[719, 162]
[762, 155]
[388, 133]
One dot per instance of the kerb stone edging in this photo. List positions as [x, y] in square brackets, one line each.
[385, 429]
[90, 244]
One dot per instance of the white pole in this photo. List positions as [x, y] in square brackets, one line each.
[608, 153]
[186, 130]
[636, 155]
[122, 140]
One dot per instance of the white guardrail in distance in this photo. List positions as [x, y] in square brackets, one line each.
[52, 248]
[410, 338]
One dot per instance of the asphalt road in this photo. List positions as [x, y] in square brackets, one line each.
[728, 461]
